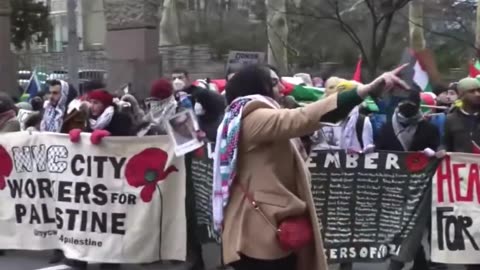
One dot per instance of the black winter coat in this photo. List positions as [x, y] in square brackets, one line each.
[426, 136]
[120, 125]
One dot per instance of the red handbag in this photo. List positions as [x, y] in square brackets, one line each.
[292, 233]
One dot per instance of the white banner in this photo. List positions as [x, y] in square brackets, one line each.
[122, 201]
[456, 210]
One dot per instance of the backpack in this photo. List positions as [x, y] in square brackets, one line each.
[359, 129]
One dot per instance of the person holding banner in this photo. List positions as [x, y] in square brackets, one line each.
[408, 130]
[105, 120]
[261, 183]
[462, 127]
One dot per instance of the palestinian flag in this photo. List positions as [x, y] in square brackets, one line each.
[417, 71]
[303, 93]
[474, 69]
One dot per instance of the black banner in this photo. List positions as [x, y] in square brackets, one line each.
[201, 176]
[371, 207]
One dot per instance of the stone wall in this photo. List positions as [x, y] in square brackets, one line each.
[196, 59]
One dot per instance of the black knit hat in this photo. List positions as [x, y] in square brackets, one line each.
[414, 97]
[6, 103]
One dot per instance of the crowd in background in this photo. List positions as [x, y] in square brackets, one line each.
[62, 110]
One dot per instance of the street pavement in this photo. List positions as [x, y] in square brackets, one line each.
[38, 260]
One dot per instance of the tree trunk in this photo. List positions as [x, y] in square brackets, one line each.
[277, 31]
[417, 37]
[169, 31]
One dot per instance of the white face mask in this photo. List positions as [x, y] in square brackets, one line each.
[199, 109]
[178, 84]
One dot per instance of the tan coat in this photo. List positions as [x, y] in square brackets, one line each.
[277, 176]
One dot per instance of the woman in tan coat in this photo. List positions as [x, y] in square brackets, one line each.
[257, 159]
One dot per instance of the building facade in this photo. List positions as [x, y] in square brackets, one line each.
[91, 27]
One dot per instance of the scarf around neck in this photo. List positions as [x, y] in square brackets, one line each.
[405, 128]
[52, 120]
[226, 151]
[103, 120]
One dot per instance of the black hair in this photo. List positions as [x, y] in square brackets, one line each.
[72, 94]
[6, 103]
[251, 80]
[181, 71]
[37, 103]
[232, 69]
[453, 86]
[438, 89]
[274, 69]
[33, 120]
[55, 83]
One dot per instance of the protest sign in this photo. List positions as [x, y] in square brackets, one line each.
[371, 206]
[122, 201]
[238, 59]
[455, 210]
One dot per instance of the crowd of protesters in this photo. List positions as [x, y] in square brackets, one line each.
[273, 135]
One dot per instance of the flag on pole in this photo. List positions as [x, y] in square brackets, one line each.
[417, 71]
[474, 69]
[33, 87]
[357, 76]
[303, 93]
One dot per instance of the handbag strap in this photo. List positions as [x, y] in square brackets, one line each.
[257, 208]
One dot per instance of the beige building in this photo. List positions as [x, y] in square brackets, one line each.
[91, 27]
[91, 20]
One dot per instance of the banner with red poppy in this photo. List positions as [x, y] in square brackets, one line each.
[372, 207]
[456, 210]
[122, 201]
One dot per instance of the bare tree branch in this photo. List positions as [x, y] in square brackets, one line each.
[470, 44]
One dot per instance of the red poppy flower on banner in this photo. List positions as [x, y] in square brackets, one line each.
[416, 162]
[146, 169]
[6, 166]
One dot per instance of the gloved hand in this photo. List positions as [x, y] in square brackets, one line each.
[428, 152]
[369, 149]
[98, 135]
[74, 135]
[440, 154]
